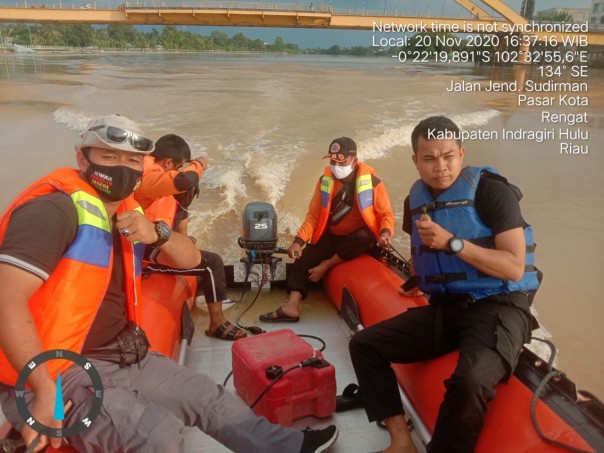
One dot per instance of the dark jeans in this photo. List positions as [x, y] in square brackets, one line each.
[346, 247]
[210, 273]
[489, 336]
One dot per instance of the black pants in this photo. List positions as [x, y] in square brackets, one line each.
[210, 273]
[489, 336]
[346, 247]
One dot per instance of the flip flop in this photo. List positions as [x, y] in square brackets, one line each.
[278, 316]
[349, 399]
[223, 332]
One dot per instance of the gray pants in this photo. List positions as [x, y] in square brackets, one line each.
[146, 409]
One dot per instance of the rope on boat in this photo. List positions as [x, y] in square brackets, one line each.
[549, 376]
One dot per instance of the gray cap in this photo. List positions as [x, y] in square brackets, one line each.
[115, 132]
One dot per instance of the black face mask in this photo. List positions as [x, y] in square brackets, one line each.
[113, 183]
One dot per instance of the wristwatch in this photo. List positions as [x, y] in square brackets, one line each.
[163, 231]
[456, 244]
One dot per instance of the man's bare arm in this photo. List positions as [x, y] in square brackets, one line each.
[19, 340]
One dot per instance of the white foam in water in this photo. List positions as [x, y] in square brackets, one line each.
[379, 146]
[472, 119]
[77, 120]
[74, 120]
[264, 159]
[271, 168]
[227, 179]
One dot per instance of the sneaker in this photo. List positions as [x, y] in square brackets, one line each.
[318, 440]
[200, 302]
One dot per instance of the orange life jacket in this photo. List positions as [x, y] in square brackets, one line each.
[162, 208]
[364, 195]
[64, 307]
[158, 183]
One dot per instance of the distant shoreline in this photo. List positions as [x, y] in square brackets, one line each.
[137, 51]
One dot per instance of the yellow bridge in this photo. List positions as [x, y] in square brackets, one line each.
[250, 14]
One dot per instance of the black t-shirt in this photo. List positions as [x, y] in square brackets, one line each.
[38, 235]
[496, 205]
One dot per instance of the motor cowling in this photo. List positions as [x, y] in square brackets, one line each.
[259, 227]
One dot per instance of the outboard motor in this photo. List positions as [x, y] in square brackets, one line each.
[259, 240]
[259, 231]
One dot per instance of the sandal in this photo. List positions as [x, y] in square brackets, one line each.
[349, 399]
[278, 316]
[227, 331]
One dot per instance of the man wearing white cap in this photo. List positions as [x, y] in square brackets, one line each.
[70, 271]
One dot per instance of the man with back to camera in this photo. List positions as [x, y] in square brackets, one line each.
[473, 254]
[348, 214]
[170, 182]
[77, 287]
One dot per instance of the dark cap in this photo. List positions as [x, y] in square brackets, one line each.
[340, 149]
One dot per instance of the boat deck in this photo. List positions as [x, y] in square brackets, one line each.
[318, 318]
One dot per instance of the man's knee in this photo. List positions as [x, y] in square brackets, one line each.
[360, 345]
[212, 260]
[128, 423]
[166, 436]
[471, 387]
[355, 244]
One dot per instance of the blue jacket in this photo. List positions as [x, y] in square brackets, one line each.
[440, 271]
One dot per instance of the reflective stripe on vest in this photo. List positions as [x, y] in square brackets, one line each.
[64, 307]
[326, 188]
[364, 196]
[93, 228]
[364, 192]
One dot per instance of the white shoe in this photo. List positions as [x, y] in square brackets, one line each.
[200, 302]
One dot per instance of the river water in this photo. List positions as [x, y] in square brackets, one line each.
[265, 121]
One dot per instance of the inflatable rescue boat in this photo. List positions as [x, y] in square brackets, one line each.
[538, 410]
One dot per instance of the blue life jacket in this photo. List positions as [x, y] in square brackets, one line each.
[440, 271]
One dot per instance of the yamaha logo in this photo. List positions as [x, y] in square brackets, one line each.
[456, 204]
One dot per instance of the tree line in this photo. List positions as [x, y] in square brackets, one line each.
[128, 37]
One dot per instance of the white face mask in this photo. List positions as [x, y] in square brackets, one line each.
[341, 171]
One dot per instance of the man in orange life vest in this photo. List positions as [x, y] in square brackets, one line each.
[71, 250]
[170, 182]
[349, 213]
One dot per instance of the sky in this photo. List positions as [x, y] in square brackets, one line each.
[309, 38]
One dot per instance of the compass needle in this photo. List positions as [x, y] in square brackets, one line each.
[57, 428]
[59, 410]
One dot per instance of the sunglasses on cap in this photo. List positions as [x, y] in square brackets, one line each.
[118, 135]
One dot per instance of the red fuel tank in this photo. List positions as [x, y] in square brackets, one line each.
[303, 391]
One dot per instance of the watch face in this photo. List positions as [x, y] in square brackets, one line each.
[163, 230]
[456, 245]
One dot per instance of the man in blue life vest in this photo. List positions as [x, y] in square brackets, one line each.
[348, 215]
[473, 255]
[71, 250]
